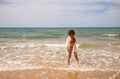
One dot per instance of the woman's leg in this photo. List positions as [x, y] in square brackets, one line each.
[69, 55]
[76, 56]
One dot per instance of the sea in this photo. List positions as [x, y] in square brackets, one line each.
[98, 48]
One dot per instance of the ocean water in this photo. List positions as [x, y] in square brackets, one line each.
[31, 48]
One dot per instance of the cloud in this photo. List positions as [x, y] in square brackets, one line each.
[4, 2]
[59, 12]
[70, 6]
[100, 7]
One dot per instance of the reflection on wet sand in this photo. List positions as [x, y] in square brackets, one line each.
[47, 73]
[73, 75]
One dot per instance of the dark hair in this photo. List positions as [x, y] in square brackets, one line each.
[71, 32]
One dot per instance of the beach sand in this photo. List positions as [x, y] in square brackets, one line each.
[48, 73]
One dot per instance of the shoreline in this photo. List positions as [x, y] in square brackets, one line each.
[48, 73]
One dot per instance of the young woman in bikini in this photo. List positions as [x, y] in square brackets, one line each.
[71, 46]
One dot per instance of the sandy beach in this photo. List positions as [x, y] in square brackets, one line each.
[48, 73]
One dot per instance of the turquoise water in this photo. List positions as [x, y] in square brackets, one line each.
[57, 32]
[58, 35]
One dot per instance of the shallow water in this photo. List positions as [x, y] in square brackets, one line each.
[30, 56]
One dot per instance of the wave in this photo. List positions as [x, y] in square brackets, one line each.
[111, 35]
[31, 45]
[88, 45]
[44, 45]
[30, 36]
[115, 44]
[38, 37]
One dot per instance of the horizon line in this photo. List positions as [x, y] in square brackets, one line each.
[61, 27]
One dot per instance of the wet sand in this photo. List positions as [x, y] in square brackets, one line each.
[48, 73]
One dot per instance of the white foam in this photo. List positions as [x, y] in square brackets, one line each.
[111, 35]
[53, 55]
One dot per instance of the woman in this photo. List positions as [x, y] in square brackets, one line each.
[71, 46]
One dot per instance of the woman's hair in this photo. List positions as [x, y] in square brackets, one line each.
[71, 32]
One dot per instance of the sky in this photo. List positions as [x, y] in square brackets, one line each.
[59, 13]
